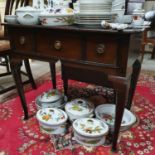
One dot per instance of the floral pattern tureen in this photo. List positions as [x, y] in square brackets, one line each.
[90, 127]
[51, 116]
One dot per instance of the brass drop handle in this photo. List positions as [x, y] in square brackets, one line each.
[100, 49]
[58, 45]
[22, 40]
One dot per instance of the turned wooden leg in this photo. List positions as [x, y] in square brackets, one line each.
[53, 74]
[15, 67]
[133, 82]
[29, 73]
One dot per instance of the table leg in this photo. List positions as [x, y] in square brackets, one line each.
[53, 74]
[153, 52]
[15, 67]
[121, 87]
[65, 85]
[133, 83]
[28, 70]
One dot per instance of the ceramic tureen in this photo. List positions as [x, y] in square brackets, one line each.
[79, 108]
[50, 96]
[27, 15]
[50, 99]
[106, 113]
[52, 120]
[57, 17]
[90, 131]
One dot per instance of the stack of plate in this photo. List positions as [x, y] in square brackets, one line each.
[91, 12]
[92, 19]
[118, 7]
[97, 6]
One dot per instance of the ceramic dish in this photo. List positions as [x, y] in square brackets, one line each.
[52, 95]
[52, 120]
[106, 113]
[57, 104]
[27, 15]
[79, 108]
[57, 17]
[57, 20]
[11, 19]
[90, 131]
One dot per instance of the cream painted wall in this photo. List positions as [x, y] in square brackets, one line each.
[2, 6]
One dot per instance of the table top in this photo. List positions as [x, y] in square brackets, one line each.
[76, 28]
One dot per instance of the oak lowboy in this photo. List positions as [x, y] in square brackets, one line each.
[103, 57]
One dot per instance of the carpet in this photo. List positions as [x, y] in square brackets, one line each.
[19, 137]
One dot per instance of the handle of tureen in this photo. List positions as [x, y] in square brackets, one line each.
[91, 115]
[28, 15]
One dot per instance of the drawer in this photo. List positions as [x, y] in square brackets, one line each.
[102, 49]
[59, 45]
[23, 41]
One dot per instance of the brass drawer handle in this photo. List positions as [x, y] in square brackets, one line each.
[58, 45]
[100, 49]
[22, 40]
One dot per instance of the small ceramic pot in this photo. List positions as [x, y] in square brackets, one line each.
[79, 108]
[52, 120]
[27, 15]
[90, 131]
[106, 113]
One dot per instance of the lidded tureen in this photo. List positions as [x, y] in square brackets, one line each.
[79, 108]
[50, 96]
[53, 98]
[52, 120]
[27, 15]
[90, 131]
[57, 16]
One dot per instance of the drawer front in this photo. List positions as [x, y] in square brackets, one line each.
[102, 49]
[23, 41]
[59, 45]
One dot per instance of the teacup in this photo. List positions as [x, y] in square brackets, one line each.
[137, 20]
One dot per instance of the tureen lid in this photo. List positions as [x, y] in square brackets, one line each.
[51, 116]
[79, 107]
[26, 8]
[50, 96]
[90, 127]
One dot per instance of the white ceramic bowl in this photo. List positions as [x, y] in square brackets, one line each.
[79, 108]
[57, 104]
[52, 120]
[11, 19]
[27, 15]
[90, 131]
[56, 19]
[106, 113]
